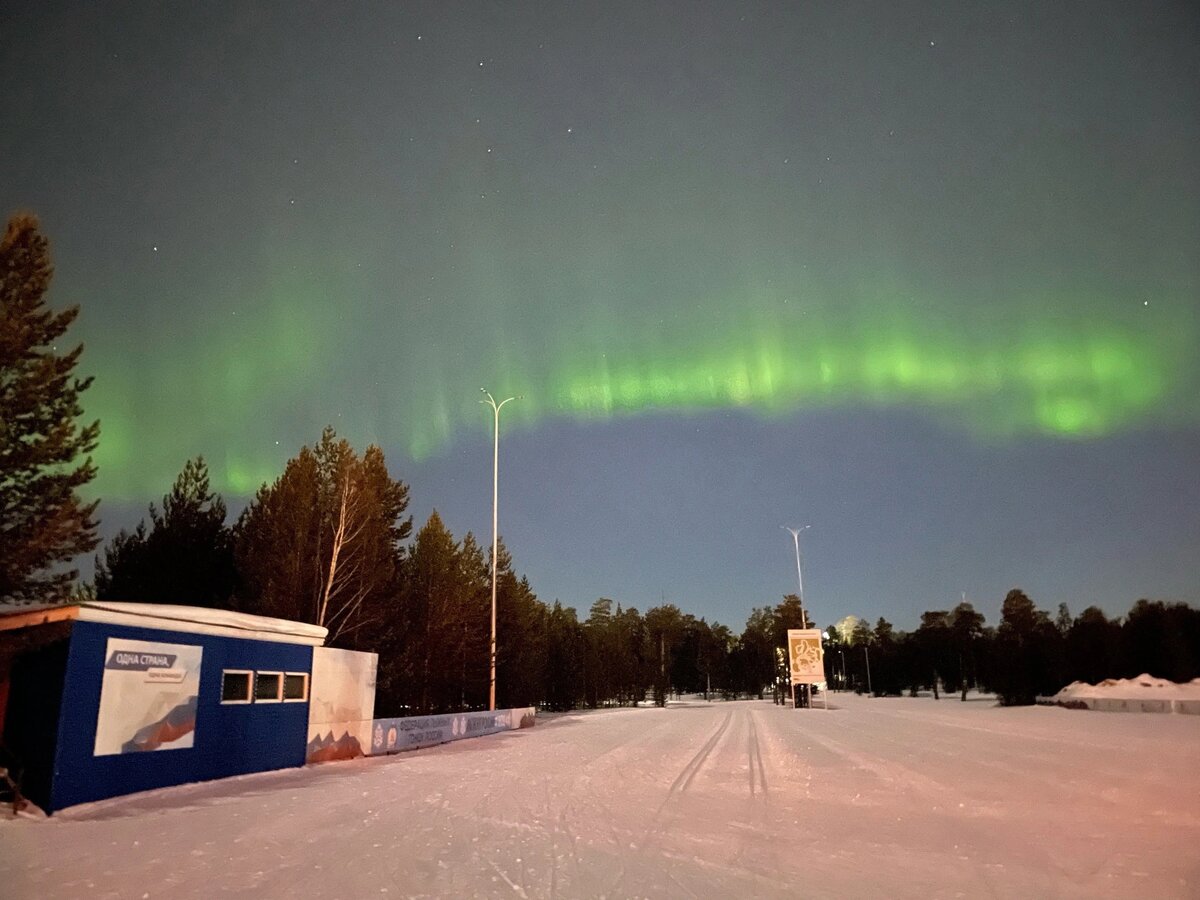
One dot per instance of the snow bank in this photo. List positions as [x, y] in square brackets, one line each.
[1145, 693]
[1144, 687]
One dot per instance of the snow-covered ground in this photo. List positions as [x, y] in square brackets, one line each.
[876, 797]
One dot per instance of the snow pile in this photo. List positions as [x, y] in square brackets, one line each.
[1144, 687]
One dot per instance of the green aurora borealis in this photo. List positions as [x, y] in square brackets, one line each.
[923, 274]
[1043, 378]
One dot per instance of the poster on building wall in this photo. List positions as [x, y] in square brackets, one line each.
[341, 704]
[148, 697]
[805, 656]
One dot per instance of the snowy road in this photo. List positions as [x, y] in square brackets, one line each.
[898, 798]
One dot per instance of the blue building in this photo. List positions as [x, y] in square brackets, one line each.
[99, 699]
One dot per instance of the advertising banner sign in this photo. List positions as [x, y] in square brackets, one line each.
[806, 659]
[148, 697]
[412, 732]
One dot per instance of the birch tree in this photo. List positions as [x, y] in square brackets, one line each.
[323, 544]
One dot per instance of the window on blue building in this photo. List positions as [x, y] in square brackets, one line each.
[295, 687]
[268, 687]
[235, 686]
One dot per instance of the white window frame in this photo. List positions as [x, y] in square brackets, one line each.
[250, 682]
[278, 698]
[283, 689]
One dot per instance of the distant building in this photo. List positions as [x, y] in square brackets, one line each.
[845, 629]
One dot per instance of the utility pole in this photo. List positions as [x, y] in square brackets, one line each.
[795, 532]
[490, 401]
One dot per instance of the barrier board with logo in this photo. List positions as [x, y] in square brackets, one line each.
[413, 732]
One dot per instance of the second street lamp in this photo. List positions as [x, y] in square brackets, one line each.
[490, 401]
[795, 532]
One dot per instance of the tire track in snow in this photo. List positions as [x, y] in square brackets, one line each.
[678, 787]
[520, 891]
[754, 752]
[684, 779]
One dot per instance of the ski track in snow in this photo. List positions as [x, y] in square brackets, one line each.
[875, 797]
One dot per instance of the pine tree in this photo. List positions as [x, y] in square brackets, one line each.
[885, 669]
[43, 521]
[1094, 647]
[664, 630]
[717, 644]
[186, 557]
[474, 623]
[599, 672]
[966, 629]
[1017, 649]
[520, 633]
[275, 544]
[563, 673]
[629, 659]
[934, 644]
[757, 652]
[520, 643]
[432, 645]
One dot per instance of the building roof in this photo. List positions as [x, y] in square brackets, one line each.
[189, 619]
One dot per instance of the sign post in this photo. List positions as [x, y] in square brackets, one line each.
[806, 658]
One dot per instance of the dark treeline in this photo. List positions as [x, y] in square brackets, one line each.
[1029, 654]
[329, 543]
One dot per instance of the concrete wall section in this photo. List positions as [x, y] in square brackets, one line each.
[342, 709]
[1112, 704]
[1117, 704]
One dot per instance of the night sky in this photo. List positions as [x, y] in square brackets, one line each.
[923, 276]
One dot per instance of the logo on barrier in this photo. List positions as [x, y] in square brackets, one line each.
[411, 732]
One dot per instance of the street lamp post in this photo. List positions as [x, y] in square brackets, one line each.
[490, 401]
[795, 532]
